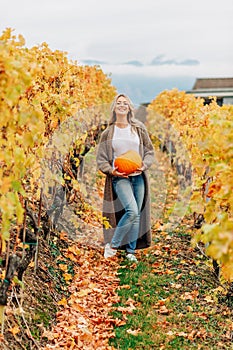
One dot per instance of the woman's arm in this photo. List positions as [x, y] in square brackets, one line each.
[148, 150]
[102, 157]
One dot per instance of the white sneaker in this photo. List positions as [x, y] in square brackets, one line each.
[109, 252]
[131, 257]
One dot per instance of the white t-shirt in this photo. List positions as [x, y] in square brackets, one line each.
[124, 139]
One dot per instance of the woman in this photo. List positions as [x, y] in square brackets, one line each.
[126, 197]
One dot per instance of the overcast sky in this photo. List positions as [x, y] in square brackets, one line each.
[166, 37]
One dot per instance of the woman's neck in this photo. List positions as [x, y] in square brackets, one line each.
[121, 122]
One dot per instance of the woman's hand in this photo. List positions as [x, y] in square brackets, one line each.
[115, 172]
[142, 168]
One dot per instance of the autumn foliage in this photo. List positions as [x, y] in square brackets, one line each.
[42, 94]
[206, 132]
[39, 89]
[83, 320]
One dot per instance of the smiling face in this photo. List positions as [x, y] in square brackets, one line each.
[121, 106]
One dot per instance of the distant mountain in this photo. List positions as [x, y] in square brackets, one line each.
[143, 89]
[188, 62]
[134, 63]
[90, 62]
[160, 60]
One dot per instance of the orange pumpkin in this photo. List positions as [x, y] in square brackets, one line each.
[128, 162]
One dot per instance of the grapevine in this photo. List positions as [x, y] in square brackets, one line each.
[206, 132]
[40, 90]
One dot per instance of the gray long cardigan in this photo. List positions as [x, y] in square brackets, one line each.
[112, 208]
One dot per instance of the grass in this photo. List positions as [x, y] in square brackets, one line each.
[171, 299]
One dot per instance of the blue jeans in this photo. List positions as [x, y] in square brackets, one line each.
[130, 191]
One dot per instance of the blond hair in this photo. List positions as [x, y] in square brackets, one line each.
[130, 116]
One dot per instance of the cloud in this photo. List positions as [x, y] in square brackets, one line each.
[128, 32]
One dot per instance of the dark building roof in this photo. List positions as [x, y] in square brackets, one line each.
[213, 83]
